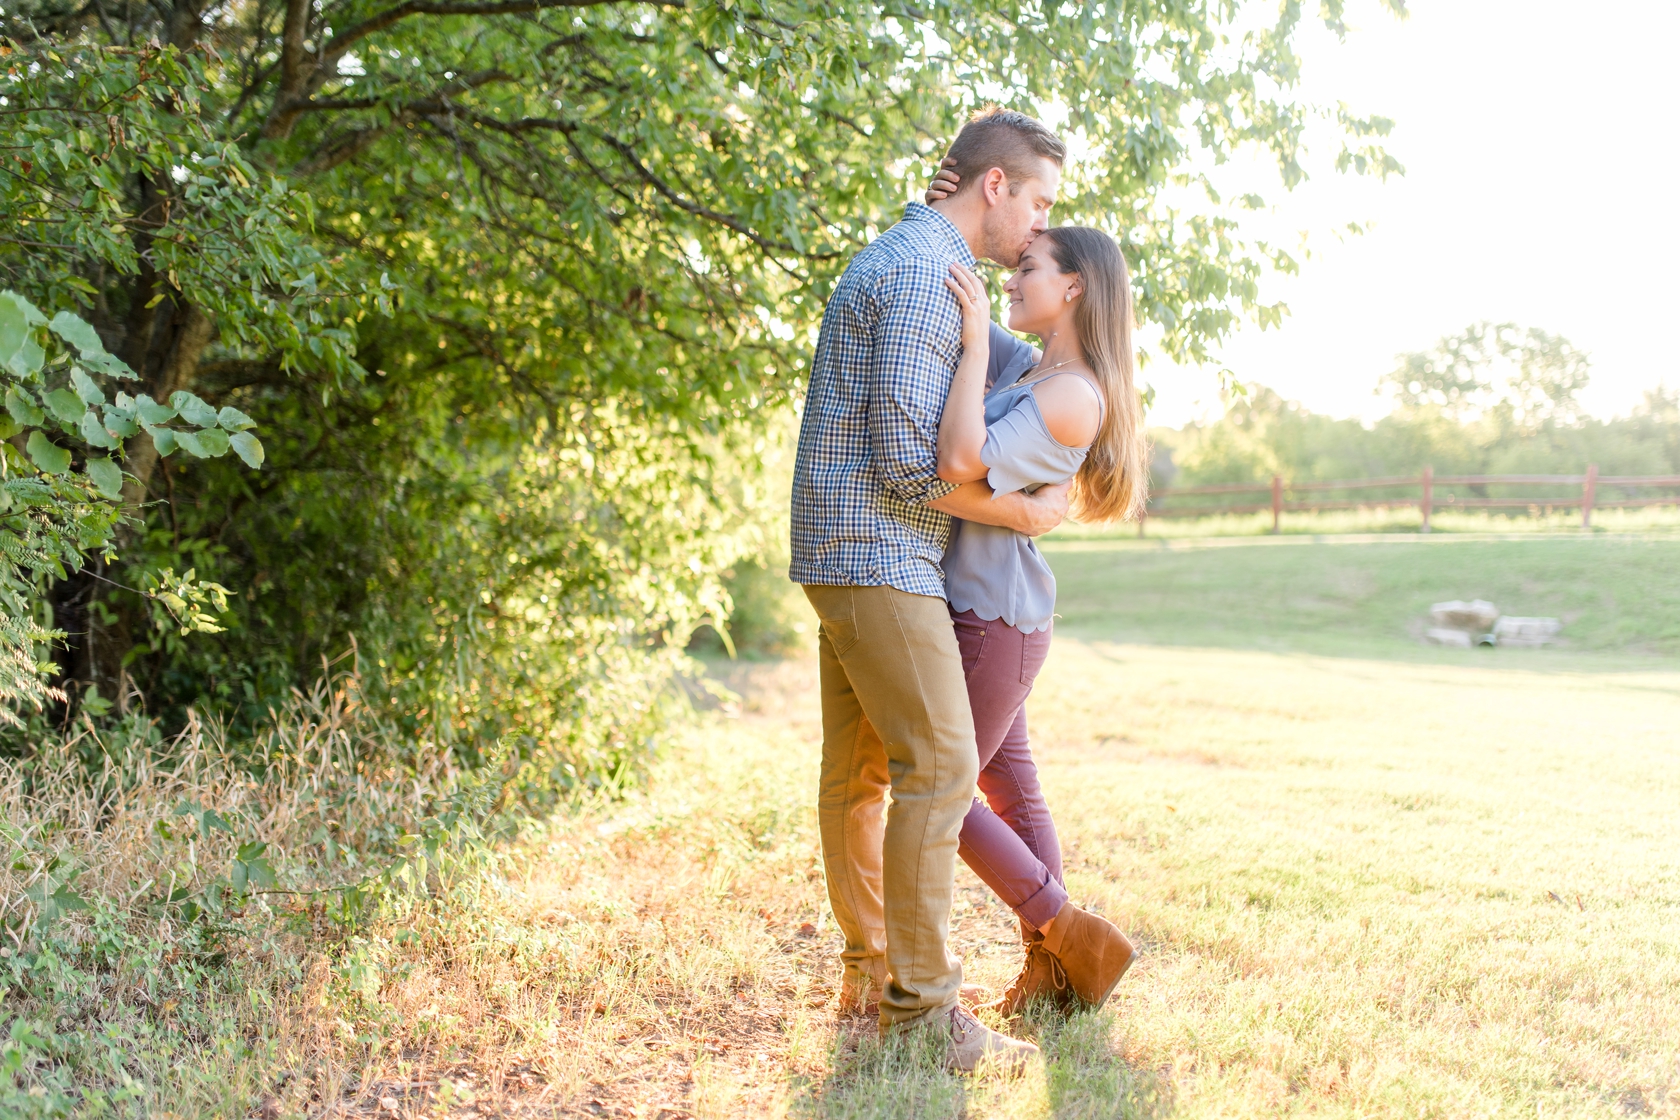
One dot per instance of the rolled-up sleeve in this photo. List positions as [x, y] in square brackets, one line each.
[1008, 360]
[914, 357]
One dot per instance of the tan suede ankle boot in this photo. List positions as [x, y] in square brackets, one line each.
[1092, 951]
[1041, 977]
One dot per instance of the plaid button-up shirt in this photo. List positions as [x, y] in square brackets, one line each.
[890, 341]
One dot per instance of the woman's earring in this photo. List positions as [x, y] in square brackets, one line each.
[1067, 297]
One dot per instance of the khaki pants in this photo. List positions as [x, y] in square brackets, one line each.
[895, 716]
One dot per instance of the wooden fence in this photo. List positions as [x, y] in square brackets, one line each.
[1428, 492]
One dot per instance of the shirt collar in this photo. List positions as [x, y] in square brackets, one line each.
[942, 227]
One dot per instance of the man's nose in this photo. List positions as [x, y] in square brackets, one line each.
[1041, 222]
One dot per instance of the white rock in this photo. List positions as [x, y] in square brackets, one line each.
[1512, 630]
[1478, 615]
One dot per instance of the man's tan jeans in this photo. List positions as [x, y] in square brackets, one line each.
[895, 717]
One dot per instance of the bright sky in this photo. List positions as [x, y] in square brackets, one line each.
[1539, 140]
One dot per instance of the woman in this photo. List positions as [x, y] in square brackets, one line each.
[1073, 414]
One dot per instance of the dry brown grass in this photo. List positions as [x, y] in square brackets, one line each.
[1344, 876]
[664, 955]
[321, 765]
[1360, 888]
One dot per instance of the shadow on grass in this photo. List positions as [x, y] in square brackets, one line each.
[904, 1078]
[1085, 1079]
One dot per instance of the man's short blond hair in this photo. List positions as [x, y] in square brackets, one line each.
[1005, 139]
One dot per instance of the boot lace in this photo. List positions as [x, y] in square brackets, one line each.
[1058, 974]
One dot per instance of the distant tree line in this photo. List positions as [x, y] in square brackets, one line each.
[1493, 399]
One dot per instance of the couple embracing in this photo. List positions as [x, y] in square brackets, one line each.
[934, 447]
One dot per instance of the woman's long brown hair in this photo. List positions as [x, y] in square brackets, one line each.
[1113, 482]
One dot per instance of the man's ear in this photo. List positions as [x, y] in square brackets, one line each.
[993, 185]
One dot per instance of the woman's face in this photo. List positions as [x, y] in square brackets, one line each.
[1038, 291]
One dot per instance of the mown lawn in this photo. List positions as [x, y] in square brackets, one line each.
[1370, 595]
[1367, 878]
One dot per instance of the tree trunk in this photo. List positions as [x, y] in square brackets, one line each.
[96, 638]
[193, 332]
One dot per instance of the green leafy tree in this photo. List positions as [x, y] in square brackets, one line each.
[515, 286]
[1519, 379]
[59, 496]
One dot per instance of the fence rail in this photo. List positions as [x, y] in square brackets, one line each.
[1189, 501]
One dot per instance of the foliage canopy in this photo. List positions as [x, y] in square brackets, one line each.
[516, 288]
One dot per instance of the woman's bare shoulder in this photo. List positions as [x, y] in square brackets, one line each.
[1070, 407]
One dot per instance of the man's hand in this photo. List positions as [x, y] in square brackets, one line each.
[1044, 510]
[1029, 514]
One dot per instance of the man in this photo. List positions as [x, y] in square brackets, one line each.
[869, 526]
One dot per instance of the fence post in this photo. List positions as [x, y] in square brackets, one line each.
[1277, 501]
[1428, 502]
[1589, 491]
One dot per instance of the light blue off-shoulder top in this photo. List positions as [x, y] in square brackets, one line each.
[993, 571]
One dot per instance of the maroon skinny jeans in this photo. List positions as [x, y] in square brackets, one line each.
[1008, 839]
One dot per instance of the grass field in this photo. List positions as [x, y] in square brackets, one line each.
[1367, 878]
[1369, 595]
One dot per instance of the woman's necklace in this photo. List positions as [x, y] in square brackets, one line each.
[1039, 371]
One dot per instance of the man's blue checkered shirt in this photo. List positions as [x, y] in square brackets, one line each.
[891, 337]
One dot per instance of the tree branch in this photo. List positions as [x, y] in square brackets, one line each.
[342, 42]
[349, 144]
[294, 79]
[700, 211]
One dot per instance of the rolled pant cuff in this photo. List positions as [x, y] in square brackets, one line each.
[1041, 909]
[875, 968]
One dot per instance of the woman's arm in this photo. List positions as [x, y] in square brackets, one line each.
[962, 426]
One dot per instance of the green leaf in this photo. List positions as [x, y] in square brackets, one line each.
[31, 314]
[21, 404]
[50, 457]
[90, 393]
[28, 360]
[77, 332]
[164, 440]
[251, 866]
[121, 421]
[210, 443]
[107, 476]
[94, 432]
[193, 410]
[213, 820]
[151, 412]
[234, 420]
[68, 900]
[249, 448]
[262, 873]
[14, 325]
[67, 406]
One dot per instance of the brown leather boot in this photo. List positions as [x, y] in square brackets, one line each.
[1091, 950]
[1041, 977]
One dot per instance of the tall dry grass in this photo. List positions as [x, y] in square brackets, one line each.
[322, 769]
[170, 908]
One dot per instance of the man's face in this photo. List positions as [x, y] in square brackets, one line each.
[1013, 219]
